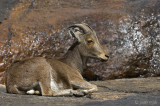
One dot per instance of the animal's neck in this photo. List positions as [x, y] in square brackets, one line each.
[74, 58]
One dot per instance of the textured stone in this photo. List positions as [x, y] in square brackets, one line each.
[128, 29]
[120, 92]
[134, 85]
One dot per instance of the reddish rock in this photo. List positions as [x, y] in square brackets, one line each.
[128, 29]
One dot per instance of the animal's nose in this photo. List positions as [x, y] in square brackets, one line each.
[107, 56]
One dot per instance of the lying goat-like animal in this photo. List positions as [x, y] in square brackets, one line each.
[62, 77]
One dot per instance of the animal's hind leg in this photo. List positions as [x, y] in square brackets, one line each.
[13, 89]
[45, 88]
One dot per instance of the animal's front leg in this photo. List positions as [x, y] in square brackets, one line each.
[66, 92]
[83, 86]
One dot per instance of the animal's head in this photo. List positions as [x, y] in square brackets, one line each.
[89, 45]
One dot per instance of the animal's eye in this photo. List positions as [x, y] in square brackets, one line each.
[89, 41]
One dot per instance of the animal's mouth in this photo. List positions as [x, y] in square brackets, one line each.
[100, 58]
[103, 60]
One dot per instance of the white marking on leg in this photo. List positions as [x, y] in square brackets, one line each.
[30, 92]
[52, 83]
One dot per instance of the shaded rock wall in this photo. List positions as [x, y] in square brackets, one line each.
[128, 29]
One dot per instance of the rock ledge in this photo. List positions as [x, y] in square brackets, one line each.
[120, 92]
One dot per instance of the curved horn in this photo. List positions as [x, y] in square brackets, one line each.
[80, 26]
[82, 29]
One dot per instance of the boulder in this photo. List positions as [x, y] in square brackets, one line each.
[128, 29]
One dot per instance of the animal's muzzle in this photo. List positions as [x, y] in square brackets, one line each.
[105, 60]
[107, 56]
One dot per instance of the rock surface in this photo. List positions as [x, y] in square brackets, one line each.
[120, 92]
[128, 29]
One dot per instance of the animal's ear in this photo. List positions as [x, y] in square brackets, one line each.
[76, 32]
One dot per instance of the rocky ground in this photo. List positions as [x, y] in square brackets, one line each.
[120, 92]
